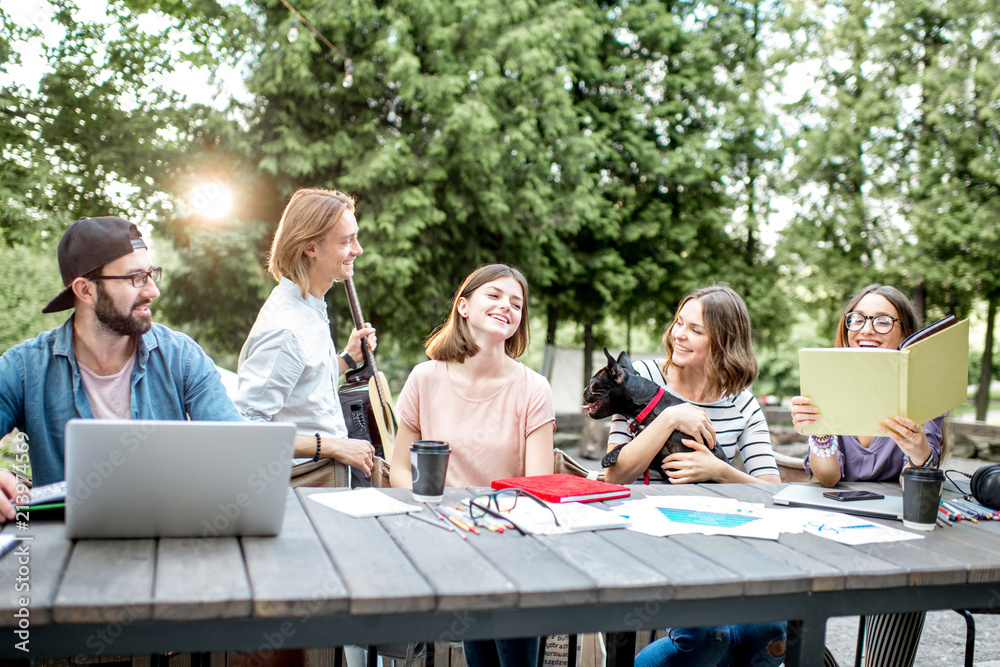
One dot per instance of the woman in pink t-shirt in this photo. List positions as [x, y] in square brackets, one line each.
[496, 414]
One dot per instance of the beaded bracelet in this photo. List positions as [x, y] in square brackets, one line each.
[823, 445]
[319, 442]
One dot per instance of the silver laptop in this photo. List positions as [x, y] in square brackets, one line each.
[806, 495]
[176, 478]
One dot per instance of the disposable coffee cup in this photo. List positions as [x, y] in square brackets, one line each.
[921, 497]
[429, 465]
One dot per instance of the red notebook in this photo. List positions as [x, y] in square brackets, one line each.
[563, 488]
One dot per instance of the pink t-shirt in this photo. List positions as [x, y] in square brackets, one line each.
[487, 436]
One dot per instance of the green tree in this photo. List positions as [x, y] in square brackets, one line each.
[29, 281]
[844, 233]
[956, 184]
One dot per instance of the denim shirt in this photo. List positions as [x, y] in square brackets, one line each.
[41, 389]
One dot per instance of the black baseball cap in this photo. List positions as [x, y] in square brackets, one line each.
[89, 244]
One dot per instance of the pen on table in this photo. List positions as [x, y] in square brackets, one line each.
[987, 512]
[945, 515]
[949, 511]
[437, 524]
[941, 522]
[489, 523]
[957, 506]
[458, 519]
[447, 518]
[979, 510]
[486, 521]
[960, 511]
[493, 524]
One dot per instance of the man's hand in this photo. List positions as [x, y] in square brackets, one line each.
[356, 453]
[8, 490]
[354, 342]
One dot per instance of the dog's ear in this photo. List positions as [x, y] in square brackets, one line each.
[625, 362]
[615, 369]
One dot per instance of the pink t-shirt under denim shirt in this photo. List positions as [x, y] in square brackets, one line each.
[487, 436]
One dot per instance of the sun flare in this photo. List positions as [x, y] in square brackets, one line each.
[212, 200]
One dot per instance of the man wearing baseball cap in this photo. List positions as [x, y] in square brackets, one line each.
[108, 361]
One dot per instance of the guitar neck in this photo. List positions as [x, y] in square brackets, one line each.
[359, 322]
[387, 424]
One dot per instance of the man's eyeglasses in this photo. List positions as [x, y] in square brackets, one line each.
[138, 279]
[882, 324]
[496, 503]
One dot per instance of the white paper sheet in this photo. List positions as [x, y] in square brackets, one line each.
[364, 503]
[710, 515]
[845, 528]
[705, 515]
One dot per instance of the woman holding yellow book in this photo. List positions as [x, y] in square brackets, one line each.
[877, 317]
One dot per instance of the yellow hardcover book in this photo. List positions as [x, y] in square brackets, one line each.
[856, 389]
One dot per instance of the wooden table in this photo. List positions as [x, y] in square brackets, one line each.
[330, 579]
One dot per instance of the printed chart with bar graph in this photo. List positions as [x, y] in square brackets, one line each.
[699, 518]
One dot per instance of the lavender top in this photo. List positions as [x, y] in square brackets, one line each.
[882, 460]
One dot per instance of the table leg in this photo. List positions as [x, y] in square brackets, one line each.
[621, 648]
[805, 642]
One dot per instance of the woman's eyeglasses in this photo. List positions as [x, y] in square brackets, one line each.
[882, 324]
[497, 503]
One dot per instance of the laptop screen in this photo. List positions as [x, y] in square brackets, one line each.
[138, 478]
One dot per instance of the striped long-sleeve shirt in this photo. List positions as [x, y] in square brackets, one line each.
[738, 421]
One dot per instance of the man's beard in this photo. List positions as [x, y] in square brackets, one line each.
[123, 324]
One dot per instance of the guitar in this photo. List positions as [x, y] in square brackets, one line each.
[364, 397]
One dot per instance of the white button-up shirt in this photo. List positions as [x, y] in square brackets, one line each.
[289, 368]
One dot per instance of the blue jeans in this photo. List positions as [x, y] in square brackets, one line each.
[721, 646]
[502, 652]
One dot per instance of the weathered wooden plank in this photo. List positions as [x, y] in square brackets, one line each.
[690, 576]
[822, 576]
[107, 581]
[48, 551]
[826, 575]
[763, 574]
[620, 577]
[379, 577]
[924, 567]
[788, 570]
[291, 574]
[460, 577]
[476, 584]
[960, 543]
[862, 570]
[540, 576]
[200, 578]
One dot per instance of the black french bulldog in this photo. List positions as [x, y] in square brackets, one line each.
[619, 389]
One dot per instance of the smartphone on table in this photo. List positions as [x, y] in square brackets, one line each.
[852, 495]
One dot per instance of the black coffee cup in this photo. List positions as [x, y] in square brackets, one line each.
[429, 465]
[921, 497]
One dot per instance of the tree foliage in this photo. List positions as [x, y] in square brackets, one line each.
[619, 152]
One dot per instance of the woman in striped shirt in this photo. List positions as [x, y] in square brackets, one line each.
[710, 365]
